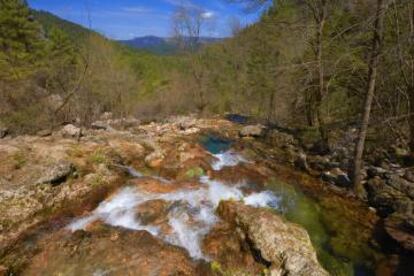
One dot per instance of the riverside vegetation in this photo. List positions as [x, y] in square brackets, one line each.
[108, 148]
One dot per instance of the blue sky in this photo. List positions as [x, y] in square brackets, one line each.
[125, 19]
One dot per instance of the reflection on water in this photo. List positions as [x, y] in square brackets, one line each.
[300, 209]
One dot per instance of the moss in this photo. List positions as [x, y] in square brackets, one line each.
[300, 209]
[195, 172]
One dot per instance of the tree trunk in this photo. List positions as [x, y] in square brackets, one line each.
[411, 118]
[321, 19]
[372, 77]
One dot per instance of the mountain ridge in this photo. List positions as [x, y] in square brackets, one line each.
[162, 45]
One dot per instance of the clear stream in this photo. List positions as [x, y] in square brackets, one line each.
[193, 213]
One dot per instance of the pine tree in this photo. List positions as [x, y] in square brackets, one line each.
[21, 40]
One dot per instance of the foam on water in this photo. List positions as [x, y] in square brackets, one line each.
[191, 217]
[227, 159]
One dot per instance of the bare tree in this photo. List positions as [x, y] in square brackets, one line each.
[372, 78]
[188, 23]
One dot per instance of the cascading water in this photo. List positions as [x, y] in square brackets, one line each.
[190, 219]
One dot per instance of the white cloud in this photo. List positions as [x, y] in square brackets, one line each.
[208, 15]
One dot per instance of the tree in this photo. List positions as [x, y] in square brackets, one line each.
[188, 24]
[373, 64]
[21, 40]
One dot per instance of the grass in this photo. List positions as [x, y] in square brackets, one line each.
[19, 159]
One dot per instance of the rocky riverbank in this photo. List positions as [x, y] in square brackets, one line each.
[170, 191]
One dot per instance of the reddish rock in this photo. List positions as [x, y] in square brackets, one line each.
[224, 246]
[112, 250]
[239, 174]
[283, 246]
[151, 185]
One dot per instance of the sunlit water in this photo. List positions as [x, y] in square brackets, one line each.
[193, 213]
[190, 219]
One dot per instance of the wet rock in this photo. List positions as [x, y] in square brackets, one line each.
[151, 185]
[153, 212]
[252, 131]
[239, 174]
[337, 177]
[284, 247]
[71, 131]
[401, 229]
[57, 173]
[114, 251]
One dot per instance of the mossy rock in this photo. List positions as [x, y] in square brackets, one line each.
[195, 172]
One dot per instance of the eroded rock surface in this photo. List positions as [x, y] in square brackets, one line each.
[105, 250]
[282, 246]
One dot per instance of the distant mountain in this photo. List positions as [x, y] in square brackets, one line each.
[162, 45]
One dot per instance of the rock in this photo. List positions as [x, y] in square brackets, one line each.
[409, 175]
[57, 173]
[319, 163]
[4, 131]
[385, 198]
[44, 133]
[154, 159]
[252, 131]
[301, 162]
[71, 131]
[223, 245]
[280, 139]
[285, 247]
[151, 185]
[337, 176]
[111, 250]
[153, 212]
[106, 116]
[373, 171]
[401, 230]
[401, 185]
[101, 125]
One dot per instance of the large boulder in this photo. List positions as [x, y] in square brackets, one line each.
[385, 198]
[401, 230]
[57, 173]
[71, 131]
[337, 177]
[105, 250]
[252, 131]
[285, 247]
